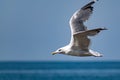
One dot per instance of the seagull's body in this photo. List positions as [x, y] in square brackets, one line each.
[79, 44]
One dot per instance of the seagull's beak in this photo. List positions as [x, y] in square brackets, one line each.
[53, 53]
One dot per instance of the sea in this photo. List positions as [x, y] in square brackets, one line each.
[60, 70]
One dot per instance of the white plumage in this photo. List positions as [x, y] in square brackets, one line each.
[79, 44]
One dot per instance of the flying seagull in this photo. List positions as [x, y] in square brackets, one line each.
[79, 44]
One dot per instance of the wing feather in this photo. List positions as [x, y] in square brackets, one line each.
[77, 25]
[80, 16]
[91, 32]
[81, 39]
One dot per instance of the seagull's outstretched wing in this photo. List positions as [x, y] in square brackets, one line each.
[81, 40]
[76, 23]
[91, 32]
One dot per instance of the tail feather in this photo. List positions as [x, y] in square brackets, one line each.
[95, 54]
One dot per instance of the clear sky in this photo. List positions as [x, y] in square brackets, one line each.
[31, 29]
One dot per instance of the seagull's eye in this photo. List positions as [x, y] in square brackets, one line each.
[59, 50]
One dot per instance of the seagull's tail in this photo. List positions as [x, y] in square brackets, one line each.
[95, 54]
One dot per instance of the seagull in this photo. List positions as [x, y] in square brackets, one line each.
[80, 42]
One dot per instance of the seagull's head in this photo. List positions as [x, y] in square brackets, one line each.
[59, 51]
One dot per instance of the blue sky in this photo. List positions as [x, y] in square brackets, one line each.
[31, 29]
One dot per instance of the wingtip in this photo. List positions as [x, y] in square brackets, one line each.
[104, 28]
[95, 0]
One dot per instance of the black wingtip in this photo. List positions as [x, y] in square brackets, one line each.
[95, 0]
[103, 28]
[89, 5]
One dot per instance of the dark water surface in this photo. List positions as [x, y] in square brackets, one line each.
[107, 70]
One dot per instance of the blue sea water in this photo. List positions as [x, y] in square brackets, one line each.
[60, 70]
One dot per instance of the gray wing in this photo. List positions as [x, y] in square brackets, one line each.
[77, 26]
[91, 32]
[80, 16]
[81, 39]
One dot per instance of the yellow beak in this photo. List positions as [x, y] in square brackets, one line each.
[53, 53]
